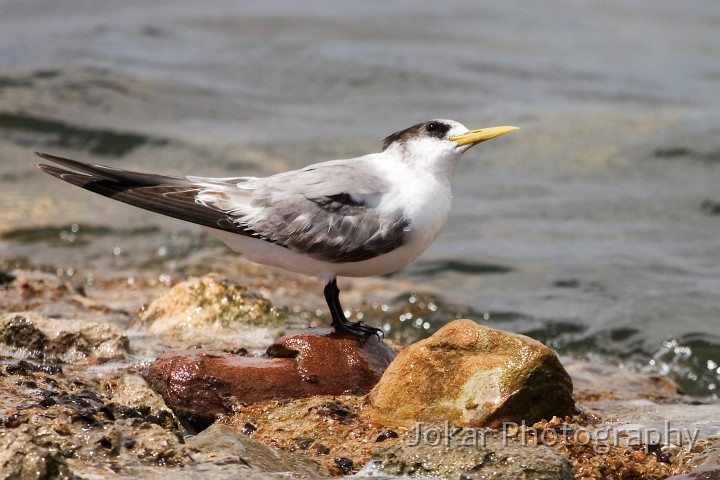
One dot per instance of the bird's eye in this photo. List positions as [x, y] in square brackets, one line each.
[432, 127]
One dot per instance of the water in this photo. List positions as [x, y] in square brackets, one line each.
[595, 228]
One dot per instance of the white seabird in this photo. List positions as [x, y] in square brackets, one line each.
[358, 217]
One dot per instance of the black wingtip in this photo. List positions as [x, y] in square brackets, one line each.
[50, 157]
[53, 170]
[44, 156]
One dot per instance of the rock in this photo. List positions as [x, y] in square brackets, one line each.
[34, 290]
[200, 384]
[30, 335]
[213, 309]
[468, 454]
[222, 444]
[704, 458]
[21, 457]
[53, 446]
[134, 392]
[471, 375]
[323, 427]
[618, 385]
[711, 472]
[54, 423]
[335, 362]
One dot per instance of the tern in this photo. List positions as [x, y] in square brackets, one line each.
[358, 217]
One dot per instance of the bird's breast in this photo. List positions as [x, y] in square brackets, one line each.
[426, 205]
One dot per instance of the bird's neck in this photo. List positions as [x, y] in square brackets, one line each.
[440, 164]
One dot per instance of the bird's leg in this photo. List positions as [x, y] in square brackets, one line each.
[339, 322]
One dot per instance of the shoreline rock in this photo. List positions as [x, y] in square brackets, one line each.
[33, 336]
[101, 420]
[214, 310]
[222, 444]
[472, 376]
[496, 456]
[199, 385]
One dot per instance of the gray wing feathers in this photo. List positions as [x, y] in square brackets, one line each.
[310, 211]
[329, 231]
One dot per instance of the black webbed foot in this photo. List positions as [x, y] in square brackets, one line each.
[339, 322]
[358, 329]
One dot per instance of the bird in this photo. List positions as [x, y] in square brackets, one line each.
[359, 217]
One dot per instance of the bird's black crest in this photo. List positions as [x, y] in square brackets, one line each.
[432, 128]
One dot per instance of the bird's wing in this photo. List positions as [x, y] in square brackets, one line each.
[171, 196]
[327, 211]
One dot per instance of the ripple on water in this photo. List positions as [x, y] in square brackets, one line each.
[31, 131]
[693, 360]
[434, 267]
[72, 235]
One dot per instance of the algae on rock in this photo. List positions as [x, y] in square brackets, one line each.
[212, 301]
[213, 310]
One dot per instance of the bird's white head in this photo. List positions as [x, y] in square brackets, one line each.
[438, 144]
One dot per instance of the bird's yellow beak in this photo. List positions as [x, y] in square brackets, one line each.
[484, 134]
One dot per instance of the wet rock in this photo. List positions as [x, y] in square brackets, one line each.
[711, 472]
[472, 375]
[703, 459]
[21, 457]
[56, 296]
[222, 444]
[618, 384]
[31, 335]
[323, 427]
[31, 289]
[71, 419]
[469, 454]
[334, 362]
[82, 443]
[133, 392]
[344, 465]
[214, 310]
[62, 421]
[200, 384]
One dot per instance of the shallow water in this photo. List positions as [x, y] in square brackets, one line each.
[595, 228]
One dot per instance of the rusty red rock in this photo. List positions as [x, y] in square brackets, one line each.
[201, 384]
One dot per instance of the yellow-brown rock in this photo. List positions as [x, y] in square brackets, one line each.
[214, 311]
[472, 376]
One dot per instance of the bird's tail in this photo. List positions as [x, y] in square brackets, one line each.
[171, 196]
